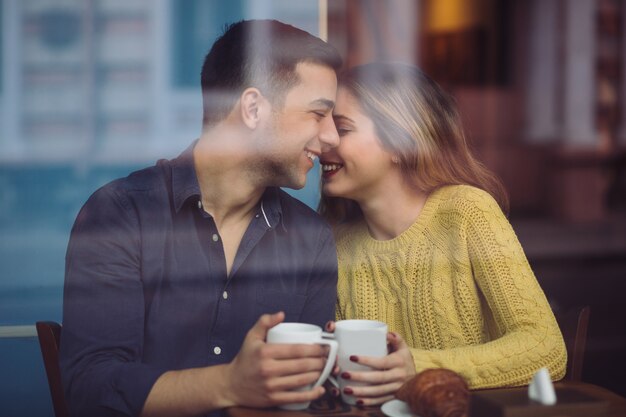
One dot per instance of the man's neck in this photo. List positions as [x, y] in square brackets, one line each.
[230, 192]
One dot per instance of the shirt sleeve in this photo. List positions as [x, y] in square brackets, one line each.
[523, 335]
[319, 307]
[103, 311]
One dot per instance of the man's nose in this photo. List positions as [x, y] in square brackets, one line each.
[328, 134]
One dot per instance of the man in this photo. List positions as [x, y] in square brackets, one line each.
[172, 271]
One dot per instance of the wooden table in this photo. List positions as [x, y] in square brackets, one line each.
[617, 403]
[327, 406]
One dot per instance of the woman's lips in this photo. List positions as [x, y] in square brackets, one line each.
[330, 168]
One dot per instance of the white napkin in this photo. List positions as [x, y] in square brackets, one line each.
[541, 388]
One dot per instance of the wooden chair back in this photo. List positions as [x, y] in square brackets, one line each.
[49, 335]
[574, 324]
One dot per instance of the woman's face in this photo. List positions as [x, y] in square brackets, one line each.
[359, 167]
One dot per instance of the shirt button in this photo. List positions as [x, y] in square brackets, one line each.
[225, 295]
[217, 350]
[257, 216]
[215, 237]
[199, 204]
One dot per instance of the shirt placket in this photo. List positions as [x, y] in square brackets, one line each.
[226, 300]
[218, 278]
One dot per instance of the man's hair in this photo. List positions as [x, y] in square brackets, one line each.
[261, 54]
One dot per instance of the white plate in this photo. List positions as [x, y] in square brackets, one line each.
[397, 408]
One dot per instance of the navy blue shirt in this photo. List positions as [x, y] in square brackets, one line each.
[146, 289]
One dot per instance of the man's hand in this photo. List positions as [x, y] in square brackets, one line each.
[261, 375]
[264, 375]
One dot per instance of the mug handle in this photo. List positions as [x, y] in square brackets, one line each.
[330, 362]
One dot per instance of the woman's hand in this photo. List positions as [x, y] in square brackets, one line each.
[387, 376]
[330, 326]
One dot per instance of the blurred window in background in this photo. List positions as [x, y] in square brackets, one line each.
[91, 91]
[99, 88]
[195, 25]
[467, 42]
[1, 51]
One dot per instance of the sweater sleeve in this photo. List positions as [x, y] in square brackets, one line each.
[523, 335]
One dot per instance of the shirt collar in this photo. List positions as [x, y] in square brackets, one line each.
[272, 207]
[185, 186]
[184, 179]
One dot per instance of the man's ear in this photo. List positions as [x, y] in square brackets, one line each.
[253, 106]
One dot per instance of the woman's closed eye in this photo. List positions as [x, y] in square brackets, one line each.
[342, 131]
[343, 124]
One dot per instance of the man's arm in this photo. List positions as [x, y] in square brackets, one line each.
[261, 375]
[103, 311]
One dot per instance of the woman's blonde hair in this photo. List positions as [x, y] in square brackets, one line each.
[419, 123]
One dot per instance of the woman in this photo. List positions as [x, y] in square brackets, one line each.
[423, 243]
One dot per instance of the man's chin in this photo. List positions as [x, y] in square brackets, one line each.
[290, 182]
[295, 186]
[298, 180]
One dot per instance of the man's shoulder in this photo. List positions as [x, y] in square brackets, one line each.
[143, 183]
[143, 179]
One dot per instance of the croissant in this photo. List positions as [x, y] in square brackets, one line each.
[436, 393]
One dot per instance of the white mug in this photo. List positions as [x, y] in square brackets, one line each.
[360, 338]
[302, 333]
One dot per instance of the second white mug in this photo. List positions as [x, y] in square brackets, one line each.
[360, 338]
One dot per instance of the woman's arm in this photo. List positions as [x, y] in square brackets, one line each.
[525, 335]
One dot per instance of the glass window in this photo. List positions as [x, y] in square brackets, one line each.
[91, 106]
[196, 24]
[1, 50]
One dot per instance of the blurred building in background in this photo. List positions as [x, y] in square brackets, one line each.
[540, 87]
[91, 90]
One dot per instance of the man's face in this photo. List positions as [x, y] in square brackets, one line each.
[302, 129]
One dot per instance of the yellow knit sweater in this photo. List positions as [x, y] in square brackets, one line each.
[458, 288]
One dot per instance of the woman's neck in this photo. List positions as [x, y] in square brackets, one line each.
[391, 212]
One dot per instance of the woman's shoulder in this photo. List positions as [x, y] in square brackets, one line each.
[464, 199]
[347, 233]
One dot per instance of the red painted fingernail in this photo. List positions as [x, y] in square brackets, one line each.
[394, 335]
[348, 391]
[335, 392]
[327, 326]
[345, 375]
[359, 403]
[354, 358]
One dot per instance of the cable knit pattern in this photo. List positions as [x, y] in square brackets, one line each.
[458, 288]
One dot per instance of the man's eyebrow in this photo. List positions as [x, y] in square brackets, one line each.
[329, 104]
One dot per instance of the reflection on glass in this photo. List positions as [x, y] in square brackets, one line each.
[102, 88]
